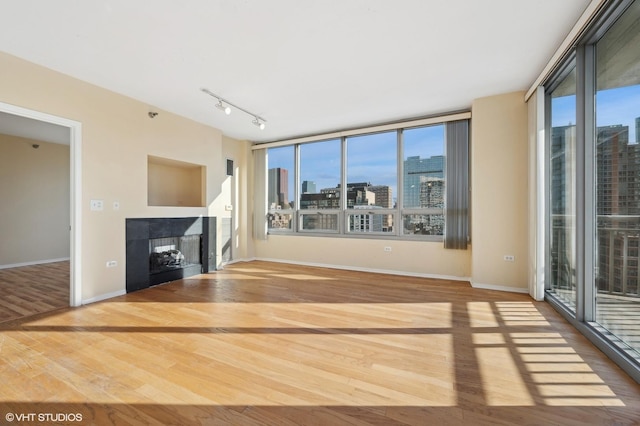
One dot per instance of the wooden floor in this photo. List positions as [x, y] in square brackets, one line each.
[263, 343]
[30, 290]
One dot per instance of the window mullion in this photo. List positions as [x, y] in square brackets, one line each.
[342, 225]
[296, 187]
[397, 217]
[589, 206]
[580, 236]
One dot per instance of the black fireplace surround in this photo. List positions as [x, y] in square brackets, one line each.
[142, 268]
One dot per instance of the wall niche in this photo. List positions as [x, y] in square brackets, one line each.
[175, 183]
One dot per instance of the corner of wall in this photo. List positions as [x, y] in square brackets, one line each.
[499, 178]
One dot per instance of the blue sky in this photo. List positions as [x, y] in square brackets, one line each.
[613, 106]
[370, 158]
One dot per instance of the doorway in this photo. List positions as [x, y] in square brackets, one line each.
[37, 126]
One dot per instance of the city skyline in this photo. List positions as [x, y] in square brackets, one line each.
[370, 158]
[617, 106]
[417, 173]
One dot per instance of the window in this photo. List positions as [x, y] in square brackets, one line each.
[562, 256]
[320, 176]
[389, 183]
[280, 181]
[593, 163]
[423, 181]
[372, 176]
[617, 112]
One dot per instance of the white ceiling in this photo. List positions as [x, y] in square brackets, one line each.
[306, 66]
[29, 128]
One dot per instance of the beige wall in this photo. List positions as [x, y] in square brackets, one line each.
[238, 193]
[406, 257]
[34, 201]
[500, 191]
[117, 137]
[499, 180]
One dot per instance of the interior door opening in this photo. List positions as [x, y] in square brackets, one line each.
[52, 237]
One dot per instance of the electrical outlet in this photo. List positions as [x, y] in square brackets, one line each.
[96, 205]
[112, 264]
[387, 248]
[509, 258]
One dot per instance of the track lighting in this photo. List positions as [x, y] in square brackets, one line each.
[225, 105]
[226, 109]
[258, 123]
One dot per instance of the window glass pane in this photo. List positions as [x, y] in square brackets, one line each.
[369, 221]
[319, 221]
[423, 167]
[618, 177]
[320, 175]
[278, 220]
[562, 250]
[423, 224]
[372, 175]
[281, 171]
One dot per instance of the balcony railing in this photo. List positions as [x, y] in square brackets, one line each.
[617, 257]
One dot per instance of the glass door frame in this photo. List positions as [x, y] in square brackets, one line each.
[584, 317]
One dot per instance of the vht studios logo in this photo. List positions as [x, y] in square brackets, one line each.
[43, 417]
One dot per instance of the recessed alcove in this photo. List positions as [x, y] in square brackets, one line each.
[175, 183]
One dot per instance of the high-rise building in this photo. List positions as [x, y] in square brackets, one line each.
[416, 168]
[278, 193]
[367, 221]
[308, 187]
[617, 202]
[612, 171]
[383, 196]
[431, 192]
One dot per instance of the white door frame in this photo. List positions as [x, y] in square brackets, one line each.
[75, 131]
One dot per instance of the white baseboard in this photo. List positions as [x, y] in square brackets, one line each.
[390, 272]
[231, 262]
[499, 288]
[372, 270]
[104, 297]
[35, 262]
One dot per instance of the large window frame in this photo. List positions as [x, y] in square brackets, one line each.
[343, 214]
[582, 313]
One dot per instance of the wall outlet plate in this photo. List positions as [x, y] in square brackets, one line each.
[96, 205]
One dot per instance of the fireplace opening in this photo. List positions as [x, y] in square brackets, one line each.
[172, 253]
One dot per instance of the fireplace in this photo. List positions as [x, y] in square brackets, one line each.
[160, 250]
[169, 253]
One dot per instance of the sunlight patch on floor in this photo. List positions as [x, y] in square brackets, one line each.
[503, 385]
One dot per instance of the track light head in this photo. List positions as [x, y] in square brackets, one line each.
[226, 109]
[225, 105]
[258, 122]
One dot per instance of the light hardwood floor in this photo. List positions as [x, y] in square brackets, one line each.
[30, 290]
[264, 343]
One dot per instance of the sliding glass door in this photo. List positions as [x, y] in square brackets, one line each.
[617, 151]
[562, 164]
[593, 184]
